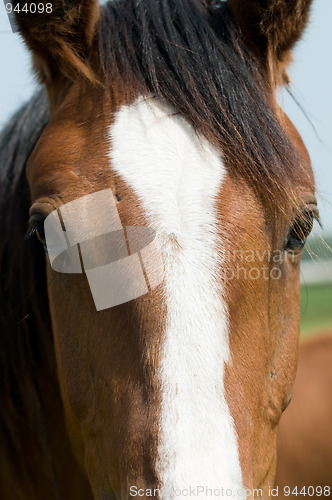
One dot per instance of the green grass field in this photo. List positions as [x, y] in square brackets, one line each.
[316, 308]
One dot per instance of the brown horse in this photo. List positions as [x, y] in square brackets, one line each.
[305, 438]
[164, 111]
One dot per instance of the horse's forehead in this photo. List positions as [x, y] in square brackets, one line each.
[161, 158]
[71, 156]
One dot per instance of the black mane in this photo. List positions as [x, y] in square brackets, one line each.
[25, 332]
[195, 59]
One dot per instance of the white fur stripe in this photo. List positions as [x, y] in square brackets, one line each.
[177, 177]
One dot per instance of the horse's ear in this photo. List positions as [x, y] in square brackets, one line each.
[271, 28]
[59, 33]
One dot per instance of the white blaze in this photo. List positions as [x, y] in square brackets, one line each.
[177, 176]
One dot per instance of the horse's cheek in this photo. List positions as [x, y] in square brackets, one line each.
[71, 343]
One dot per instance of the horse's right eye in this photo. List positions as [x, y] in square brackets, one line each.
[300, 230]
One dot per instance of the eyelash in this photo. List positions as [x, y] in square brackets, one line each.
[301, 226]
[33, 229]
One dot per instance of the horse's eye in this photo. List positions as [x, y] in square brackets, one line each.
[36, 227]
[299, 231]
[40, 233]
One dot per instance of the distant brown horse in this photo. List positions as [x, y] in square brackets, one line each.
[163, 369]
[305, 431]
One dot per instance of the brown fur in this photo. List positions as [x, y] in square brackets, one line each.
[124, 358]
[273, 337]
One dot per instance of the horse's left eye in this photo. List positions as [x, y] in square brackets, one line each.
[299, 231]
[40, 233]
[37, 228]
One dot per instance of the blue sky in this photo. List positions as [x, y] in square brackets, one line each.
[311, 75]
